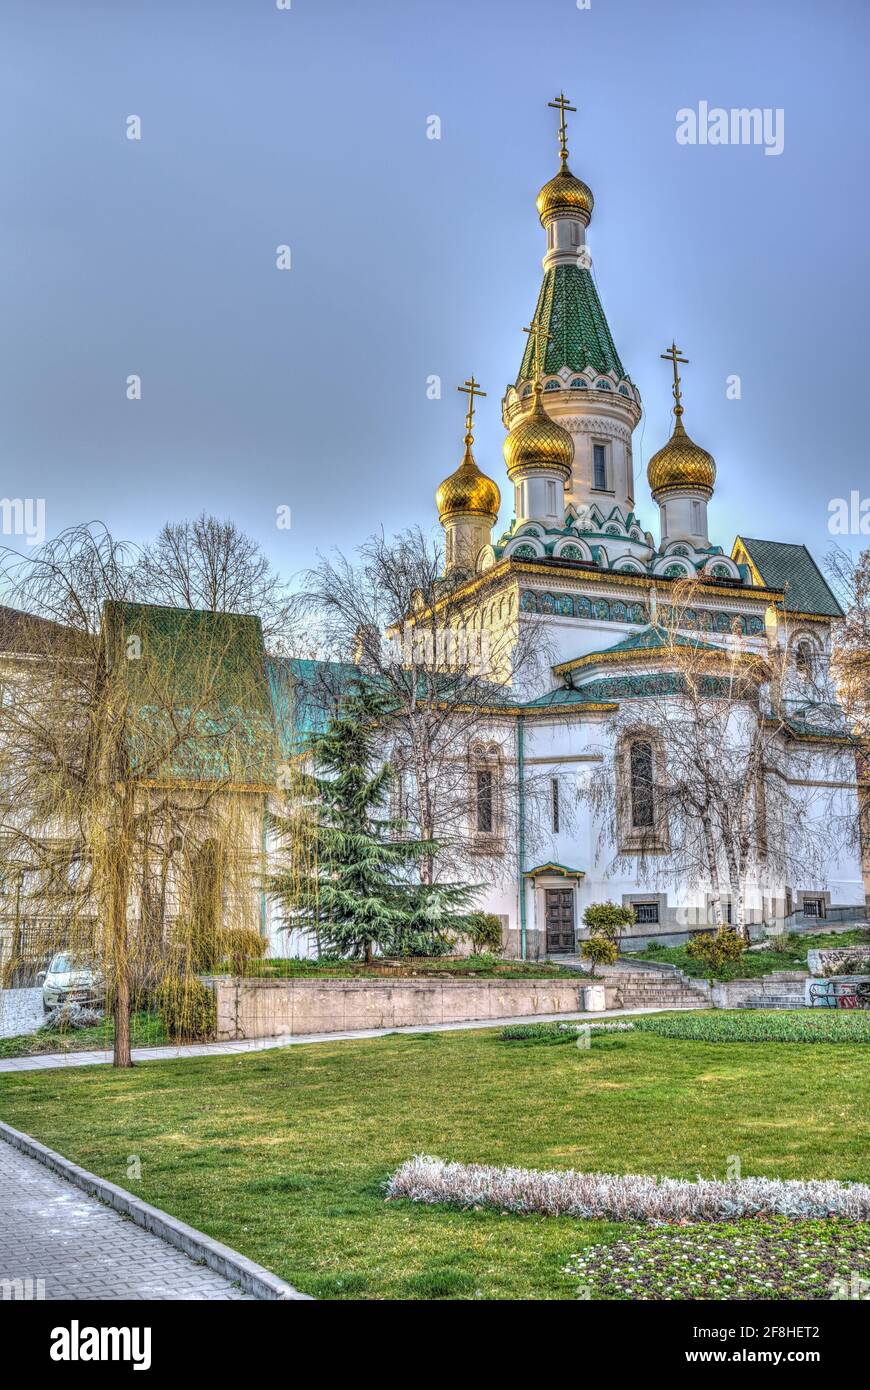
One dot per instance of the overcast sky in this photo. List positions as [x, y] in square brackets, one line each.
[410, 257]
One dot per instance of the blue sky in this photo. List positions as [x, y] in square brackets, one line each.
[411, 257]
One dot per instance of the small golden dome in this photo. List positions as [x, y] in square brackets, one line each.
[468, 490]
[565, 196]
[538, 442]
[681, 464]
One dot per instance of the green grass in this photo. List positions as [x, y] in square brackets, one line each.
[282, 1154]
[146, 1030]
[482, 967]
[753, 964]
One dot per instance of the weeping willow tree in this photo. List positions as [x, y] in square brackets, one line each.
[136, 757]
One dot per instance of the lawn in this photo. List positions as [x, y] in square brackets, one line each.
[282, 1153]
[483, 967]
[753, 964]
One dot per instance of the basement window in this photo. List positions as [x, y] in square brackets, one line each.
[646, 914]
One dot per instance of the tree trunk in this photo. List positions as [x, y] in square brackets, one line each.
[713, 869]
[118, 926]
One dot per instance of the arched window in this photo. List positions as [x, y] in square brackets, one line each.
[486, 792]
[642, 788]
[803, 658]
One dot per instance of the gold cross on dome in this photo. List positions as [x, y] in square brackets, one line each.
[561, 104]
[673, 355]
[536, 333]
[471, 389]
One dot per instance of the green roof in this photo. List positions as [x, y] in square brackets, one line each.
[650, 639]
[570, 312]
[792, 568]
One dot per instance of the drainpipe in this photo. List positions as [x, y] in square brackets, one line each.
[264, 862]
[521, 847]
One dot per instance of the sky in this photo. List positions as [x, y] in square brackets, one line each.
[306, 127]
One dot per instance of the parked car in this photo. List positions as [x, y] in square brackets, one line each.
[71, 979]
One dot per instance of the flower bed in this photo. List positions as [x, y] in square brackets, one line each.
[755, 1025]
[558, 1032]
[631, 1197]
[765, 1260]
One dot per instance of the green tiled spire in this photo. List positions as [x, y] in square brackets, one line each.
[570, 312]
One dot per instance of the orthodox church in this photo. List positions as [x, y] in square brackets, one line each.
[578, 557]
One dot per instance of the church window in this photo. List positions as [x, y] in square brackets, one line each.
[803, 659]
[554, 803]
[579, 384]
[524, 552]
[599, 466]
[575, 234]
[517, 500]
[483, 808]
[623, 390]
[721, 571]
[570, 552]
[696, 518]
[603, 386]
[642, 793]
[664, 522]
[552, 386]
[551, 498]
[675, 572]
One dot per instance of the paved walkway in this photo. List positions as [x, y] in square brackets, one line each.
[79, 1249]
[228, 1049]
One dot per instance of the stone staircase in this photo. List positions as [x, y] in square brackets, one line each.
[658, 989]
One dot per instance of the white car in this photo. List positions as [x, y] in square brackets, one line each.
[71, 979]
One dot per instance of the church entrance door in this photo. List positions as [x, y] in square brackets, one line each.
[560, 921]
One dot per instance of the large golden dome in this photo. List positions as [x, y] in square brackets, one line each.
[565, 196]
[681, 464]
[538, 443]
[468, 490]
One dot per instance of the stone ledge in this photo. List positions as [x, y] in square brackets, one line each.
[238, 1269]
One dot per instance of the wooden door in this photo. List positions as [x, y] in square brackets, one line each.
[560, 920]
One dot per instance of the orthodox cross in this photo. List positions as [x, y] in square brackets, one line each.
[561, 104]
[673, 356]
[470, 389]
[536, 333]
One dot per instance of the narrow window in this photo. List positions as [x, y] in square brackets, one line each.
[696, 518]
[664, 521]
[484, 801]
[642, 806]
[554, 802]
[551, 499]
[517, 501]
[599, 466]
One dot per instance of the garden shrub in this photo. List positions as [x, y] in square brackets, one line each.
[484, 933]
[600, 950]
[716, 950]
[608, 919]
[187, 1008]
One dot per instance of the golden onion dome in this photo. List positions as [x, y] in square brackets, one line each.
[538, 443]
[565, 196]
[468, 490]
[681, 464]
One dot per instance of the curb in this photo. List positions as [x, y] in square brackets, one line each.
[238, 1269]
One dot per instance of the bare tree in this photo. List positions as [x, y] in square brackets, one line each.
[455, 660]
[718, 778]
[121, 751]
[211, 564]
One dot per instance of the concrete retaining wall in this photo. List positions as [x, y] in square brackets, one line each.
[275, 1008]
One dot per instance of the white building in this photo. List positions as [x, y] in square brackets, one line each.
[578, 557]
